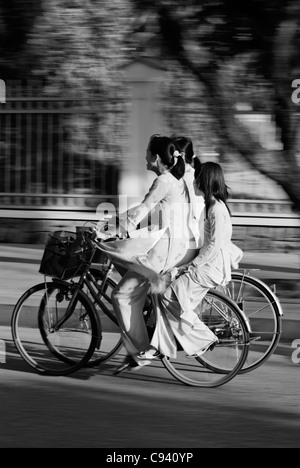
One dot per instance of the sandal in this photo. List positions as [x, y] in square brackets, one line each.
[130, 364]
[149, 355]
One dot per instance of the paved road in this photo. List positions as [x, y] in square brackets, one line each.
[149, 409]
[93, 408]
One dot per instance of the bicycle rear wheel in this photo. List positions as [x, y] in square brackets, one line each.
[263, 310]
[224, 362]
[48, 347]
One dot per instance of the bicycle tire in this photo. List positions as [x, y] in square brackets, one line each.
[30, 341]
[273, 321]
[219, 377]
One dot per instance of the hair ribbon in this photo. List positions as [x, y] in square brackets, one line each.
[176, 156]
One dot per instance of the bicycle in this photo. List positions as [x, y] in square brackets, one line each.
[258, 302]
[57, 329]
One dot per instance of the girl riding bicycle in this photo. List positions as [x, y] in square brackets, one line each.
[176, 314]
[149, 258]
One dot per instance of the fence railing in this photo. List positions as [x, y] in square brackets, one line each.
[253, 230]
[37, 155]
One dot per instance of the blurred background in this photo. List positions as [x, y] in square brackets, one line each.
[88, 83]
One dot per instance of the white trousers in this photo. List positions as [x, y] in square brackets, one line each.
[128, 300]
[177, 316]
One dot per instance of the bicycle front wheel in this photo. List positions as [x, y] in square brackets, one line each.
[50, 336]
[226, 359]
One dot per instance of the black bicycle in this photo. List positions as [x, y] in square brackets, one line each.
[63, 325]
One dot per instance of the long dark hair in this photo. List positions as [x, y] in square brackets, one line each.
[210, 180]
[185, 145]
[165, 148]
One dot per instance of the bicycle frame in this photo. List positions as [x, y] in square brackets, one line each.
[90, 282]
[97, 292]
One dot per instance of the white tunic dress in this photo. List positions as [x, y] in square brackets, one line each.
[169, 241]
[177, 309]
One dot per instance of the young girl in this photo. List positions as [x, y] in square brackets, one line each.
[150, 258]
[176, 316]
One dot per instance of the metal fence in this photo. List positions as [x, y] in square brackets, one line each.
[36, 159]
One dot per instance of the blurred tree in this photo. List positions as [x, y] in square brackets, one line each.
[78, 50]
[236, 51]
[75, 50]
[17, 19]
[241, 51]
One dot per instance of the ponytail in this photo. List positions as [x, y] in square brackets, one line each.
[197, 163]
[178, 170]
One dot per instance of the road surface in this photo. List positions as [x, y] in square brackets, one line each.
[148, 409]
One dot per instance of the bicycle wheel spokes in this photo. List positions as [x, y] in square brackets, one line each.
[224, 361]
[261, 308]
[47, 336]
